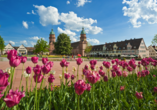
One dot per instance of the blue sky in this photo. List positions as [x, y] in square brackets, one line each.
[25, 21]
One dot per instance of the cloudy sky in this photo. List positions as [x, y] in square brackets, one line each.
[26, 21]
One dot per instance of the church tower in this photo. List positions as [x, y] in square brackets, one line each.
[52, 39]
[83, 42]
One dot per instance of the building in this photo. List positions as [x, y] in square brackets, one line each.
[134, 47]
[21, 49]
[78, 47]
[152, 51]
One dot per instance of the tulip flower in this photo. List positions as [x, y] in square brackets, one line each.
[72, 77]
[44, 60]
[37, 69]
[28, 70]
[113, 74]
[13, 98]
[23, 59]
[88, 87]
[66, 75]
[101, 73]
[8, 70]
[3, 81]
[155, 89]
[93, 62]
[25, 74]
[67, 64]
[80, 87]
[105, 78]
[34, 59]
[129, 68]
[60, 76]
[39, 78]
[125, 73]
[139, 74]
[143, 74]
[106, 64]
[53, 72]
[101, 67]
[93, 77]
[11, 54]
[119, 73]
[92, 67]
[115, 67]
[139, 95]
[46, 69]
[15, 61]
[86, 67]
[63, 63]
[147, 72]
[79, 61]
[74, 69]
[112, 61]
[50, 63]
[154, 76]
[51, 78]
[122, 88]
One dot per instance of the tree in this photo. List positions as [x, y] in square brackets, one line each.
[41, 46]
[88, 48]
[2, 45]
[154, 41]
[63, 45]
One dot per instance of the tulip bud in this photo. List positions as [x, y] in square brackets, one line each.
[60, 76]
[25, 74]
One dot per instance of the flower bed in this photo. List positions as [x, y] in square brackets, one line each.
[115, 85]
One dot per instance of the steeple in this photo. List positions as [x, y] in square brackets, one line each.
[83, 32]
[52, 32]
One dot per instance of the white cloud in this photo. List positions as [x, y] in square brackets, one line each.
[33, 12]
[28, 13]
[36, 38]
[93, 41]
[23, 42]
[12, 43]
[69, 33]
[32, 43]
[48, 15]
[32, 22]
[141, 10]
[25, 24]
[68, 2]
[82, 2]
[75, 23]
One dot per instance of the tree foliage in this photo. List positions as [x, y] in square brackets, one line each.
[63, 45]
[2, 45]
[88, 48]
[41, 46]
[154, 41]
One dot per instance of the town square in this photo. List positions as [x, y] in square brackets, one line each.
[78, 55]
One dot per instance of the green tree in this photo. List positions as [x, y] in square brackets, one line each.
[41, 46]
[88, 48]
[154, 41]
[2, 45]
[63, 45]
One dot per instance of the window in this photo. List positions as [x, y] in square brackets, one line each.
[134, 47]
[123, 47]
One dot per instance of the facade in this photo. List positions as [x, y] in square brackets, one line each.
[134, 47]
[21, 49]
[152, 51]
[78, 47]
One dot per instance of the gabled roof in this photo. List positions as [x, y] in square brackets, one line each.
[15, 48]
[75, 45]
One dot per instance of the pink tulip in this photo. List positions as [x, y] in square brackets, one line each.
[15, 61]
[39, 78]
[13, 98]
[80, 87]
[119, 73]
[154, 76]
[46, 68]
[85, 71]
[139, 74]
[147, 72]
[51, 78]
[106, 64]
[93, 62]
[113, 74]
[3, 81]
[112, 61]
[23, 59]
[122, 88]
[115, 67]
[1, 95]
[155, 89]
[63, 63]
[50, 63]
[72, 77]
[79, 61]
[93, 77]
[92, 67]
[101, 73]
[67, 75]
[67, 64]
[11, 54]
[28, 70]
[88, 87]
[105, 78]
[139, 95]
[143, 74]
[34, 59]
[101, 67]
[129, 68]
[86, 67]
[44, 60]
[125, 74]
[37, 69]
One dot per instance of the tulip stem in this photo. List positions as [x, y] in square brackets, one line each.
[26, 84]
[21, 77]
[78, 102]
[77, 72]
[35, 103]
[63, 75]
[93, 97]
[12, 78]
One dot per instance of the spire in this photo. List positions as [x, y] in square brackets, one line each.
[52, 31]
[83, 32]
